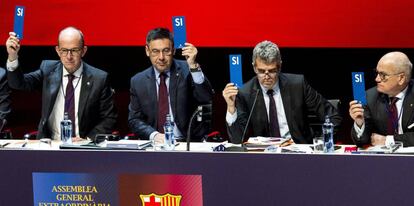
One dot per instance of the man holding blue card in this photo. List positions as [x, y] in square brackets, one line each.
[388, 115]
[68, 86]
[169, 86]
[277, 102]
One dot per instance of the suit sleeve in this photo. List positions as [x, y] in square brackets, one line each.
[235, 131]
[26, 82]
[107, 111]
[4, 96]
[136, 116]
[407, 139]
[203, 93]
[365, 138]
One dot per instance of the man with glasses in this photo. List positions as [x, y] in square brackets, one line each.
[278, 102]
[388, 115]
[169, 86]
[68, 86]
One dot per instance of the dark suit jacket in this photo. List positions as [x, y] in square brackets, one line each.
[298, 97]
[4, 95]
[185, 95]
[376, 117]
[96, 113]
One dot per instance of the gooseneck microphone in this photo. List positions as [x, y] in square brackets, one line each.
[3, 123]
[250, 115]
[242, 148]
[199, 113]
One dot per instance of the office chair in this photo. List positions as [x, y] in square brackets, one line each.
[315, 123]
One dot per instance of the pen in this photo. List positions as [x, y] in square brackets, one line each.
[24, 145]
[4, 145]
[285, 143]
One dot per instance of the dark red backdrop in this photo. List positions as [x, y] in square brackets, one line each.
[221, 23]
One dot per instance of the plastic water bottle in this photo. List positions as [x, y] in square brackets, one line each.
[66, 129]
[327, 129]
[169, 141]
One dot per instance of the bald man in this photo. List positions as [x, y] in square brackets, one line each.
[388, 115]
[68, 86]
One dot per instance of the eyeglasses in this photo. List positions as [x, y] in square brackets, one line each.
[75, 51]
[165, 52]
[263, 72]
[384, 76]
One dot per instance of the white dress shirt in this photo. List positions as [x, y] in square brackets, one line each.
[56, 116]
[198, 78]
[281, 115]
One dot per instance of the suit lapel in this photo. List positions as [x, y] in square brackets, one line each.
[174, 78]
[286, 100]
[151, 92]
[259, 112]
[54, 84]
[408, 108]
[382, 111]
[86, 86]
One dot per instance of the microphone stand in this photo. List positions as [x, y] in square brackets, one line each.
[197, 112]
[243, 148]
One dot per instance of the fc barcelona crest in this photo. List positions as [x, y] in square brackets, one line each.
[160, 200]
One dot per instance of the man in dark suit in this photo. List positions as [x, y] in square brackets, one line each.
[4, 98]
[281, 101]
[169, 86]
[388, 115]
[68, 86]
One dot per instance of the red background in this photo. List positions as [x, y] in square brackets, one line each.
[220, 23]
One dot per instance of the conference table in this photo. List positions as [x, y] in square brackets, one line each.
[227, 178]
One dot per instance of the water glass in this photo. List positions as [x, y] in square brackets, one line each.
[318, 144]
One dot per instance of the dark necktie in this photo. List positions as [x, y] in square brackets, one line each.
[162, 102]
[392, 126]
[273, 122]
[70, 101]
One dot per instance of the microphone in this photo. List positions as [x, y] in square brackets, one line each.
[3, 122]
[199, 113]
[242, 148]
[250, 115]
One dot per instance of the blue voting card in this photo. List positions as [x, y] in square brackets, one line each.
[236, 69]
[18, 21]
[358, 84]
[180, 34]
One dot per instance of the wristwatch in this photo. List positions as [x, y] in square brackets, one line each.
[196, 68]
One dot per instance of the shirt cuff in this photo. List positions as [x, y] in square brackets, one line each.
[359, 131]
[11, 66]
[231, 118]
[198, 77]
[389, 141]
[152, 135]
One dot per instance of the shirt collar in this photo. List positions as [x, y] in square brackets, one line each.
[401, 95]
[275, 88]
[157, 73]
[77, 73]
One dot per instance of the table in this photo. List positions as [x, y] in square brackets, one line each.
[230, 178]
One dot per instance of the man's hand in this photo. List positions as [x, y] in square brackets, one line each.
[13, 46]
[77, 139]
[377, 139]
[356, 111]
[190, 53]
[229, 94]
[159, 138]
